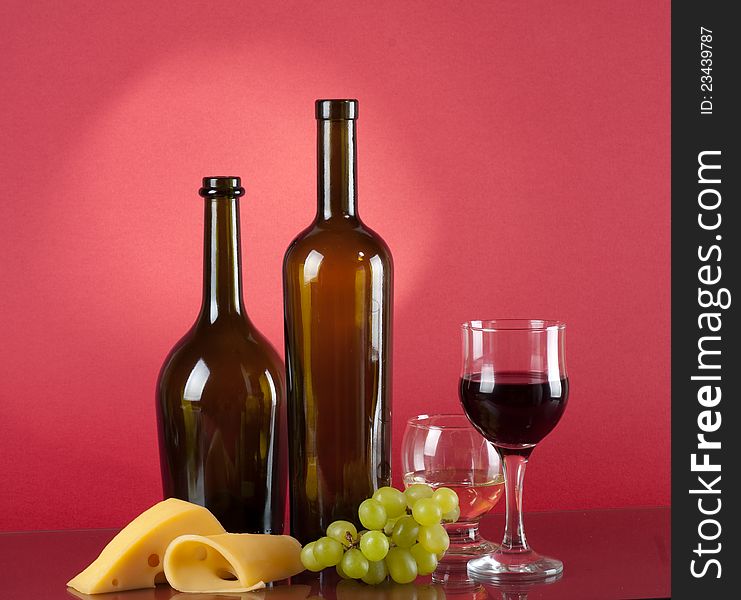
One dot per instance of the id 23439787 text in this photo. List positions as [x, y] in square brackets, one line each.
[706, 71]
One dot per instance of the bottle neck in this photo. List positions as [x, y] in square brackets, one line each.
[222, 265]
[337, 170]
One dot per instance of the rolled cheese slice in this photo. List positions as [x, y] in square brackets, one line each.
[230, 562]
[133, 559]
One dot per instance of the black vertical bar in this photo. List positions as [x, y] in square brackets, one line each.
[704, 264]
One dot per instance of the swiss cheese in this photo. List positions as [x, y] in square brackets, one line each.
[230, 562]
[133, 559]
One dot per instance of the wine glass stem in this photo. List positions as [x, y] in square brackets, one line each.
[513, 465]
[464, 532]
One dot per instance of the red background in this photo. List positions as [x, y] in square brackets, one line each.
[515, 157]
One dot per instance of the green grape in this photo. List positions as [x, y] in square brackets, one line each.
[405, 532]
[372, 514]
[427, 512]
[446, 498]
[328, 552]
[377, 572]
[340, 530]
[393, 501]
[354, 564]
[309, 560]
[401, 565]
[434, 538]
[340, 572]
[374, 545]
[426, 561]
[453, 515]
[416, 491]
[388, 529]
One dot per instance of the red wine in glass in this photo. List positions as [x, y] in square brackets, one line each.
[514, 390]
[514, 408]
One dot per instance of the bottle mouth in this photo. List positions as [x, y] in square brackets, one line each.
[221, 186]
[337, 110]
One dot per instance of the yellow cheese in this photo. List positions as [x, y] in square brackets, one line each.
[278, 592]
[155, 593]
[230, 596]
[230, 562]
[133, 559]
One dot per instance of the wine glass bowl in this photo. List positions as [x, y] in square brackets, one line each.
[446, 451]
[514, 389]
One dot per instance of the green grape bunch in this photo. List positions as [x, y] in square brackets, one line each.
[403, 536]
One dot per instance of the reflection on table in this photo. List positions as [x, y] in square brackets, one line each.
[608, 555]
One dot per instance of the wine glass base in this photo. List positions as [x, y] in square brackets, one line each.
[462, 553]
[466, 542]
[514, 566]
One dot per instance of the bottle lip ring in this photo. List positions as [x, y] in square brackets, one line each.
[221, 186]
[336, 109]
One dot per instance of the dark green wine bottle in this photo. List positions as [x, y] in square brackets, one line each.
[338, 292]
[221, 391]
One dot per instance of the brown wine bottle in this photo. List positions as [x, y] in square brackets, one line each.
[221, 390]
[338, 290]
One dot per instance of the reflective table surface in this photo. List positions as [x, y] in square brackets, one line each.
[607, 555]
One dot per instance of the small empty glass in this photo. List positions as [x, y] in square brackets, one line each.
[446, 451]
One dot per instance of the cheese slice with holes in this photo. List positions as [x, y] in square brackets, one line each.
[230, 562]
[133, 559]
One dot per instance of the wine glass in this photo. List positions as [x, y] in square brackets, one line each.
[514, 390]
[446, 451]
